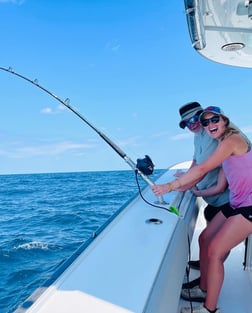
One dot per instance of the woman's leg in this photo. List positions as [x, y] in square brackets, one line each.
[204, 239]
[234, 230]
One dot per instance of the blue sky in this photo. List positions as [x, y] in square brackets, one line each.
[126, 66]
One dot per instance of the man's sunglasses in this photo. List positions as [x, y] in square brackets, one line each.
[214, 119]
[192, 120]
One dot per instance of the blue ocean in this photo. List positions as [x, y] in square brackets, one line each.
[46, 217]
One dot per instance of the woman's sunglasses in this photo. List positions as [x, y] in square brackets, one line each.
[192, 120]
[214, 119]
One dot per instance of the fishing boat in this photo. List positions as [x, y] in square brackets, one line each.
[136, 262]
[126, 266]
[220, 31]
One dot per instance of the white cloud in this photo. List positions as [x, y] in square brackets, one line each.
[116, 47]
[112, 46]
[17, 2]
[161, 134]
[247, 129]
[51, 111]
[46, 111]
[131, 141]
[25, 151]
[182, 136]
[61, 107]
[167, 134]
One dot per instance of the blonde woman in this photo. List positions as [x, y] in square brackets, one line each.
[234, 153]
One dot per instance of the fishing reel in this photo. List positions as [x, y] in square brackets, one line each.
[145, 165]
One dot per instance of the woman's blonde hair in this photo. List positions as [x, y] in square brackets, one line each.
[230, 129]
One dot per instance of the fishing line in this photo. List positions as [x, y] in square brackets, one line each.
[144, 167]
[171, 208]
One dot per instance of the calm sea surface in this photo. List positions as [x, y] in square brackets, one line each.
[46, 217]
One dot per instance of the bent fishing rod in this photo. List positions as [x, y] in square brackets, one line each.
[144, 167]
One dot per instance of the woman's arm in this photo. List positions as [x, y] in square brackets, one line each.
[222, 152]
[191, 184]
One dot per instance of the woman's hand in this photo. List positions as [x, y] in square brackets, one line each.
[159, 190]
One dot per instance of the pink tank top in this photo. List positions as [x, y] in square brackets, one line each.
[238, 170]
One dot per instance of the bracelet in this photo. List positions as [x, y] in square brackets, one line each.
[170, 187]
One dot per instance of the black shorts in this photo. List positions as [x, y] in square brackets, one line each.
[245, 211]
[210, 210]
[227, 211]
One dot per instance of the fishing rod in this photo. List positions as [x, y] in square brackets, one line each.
[144, 167]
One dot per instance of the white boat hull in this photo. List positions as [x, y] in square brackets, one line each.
[221, 30]
[135, 264]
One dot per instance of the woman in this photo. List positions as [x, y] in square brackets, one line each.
[235, 155]
[212, 188]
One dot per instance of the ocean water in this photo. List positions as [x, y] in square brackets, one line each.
[46, 217]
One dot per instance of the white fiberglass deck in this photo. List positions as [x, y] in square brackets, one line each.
[236, 293]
